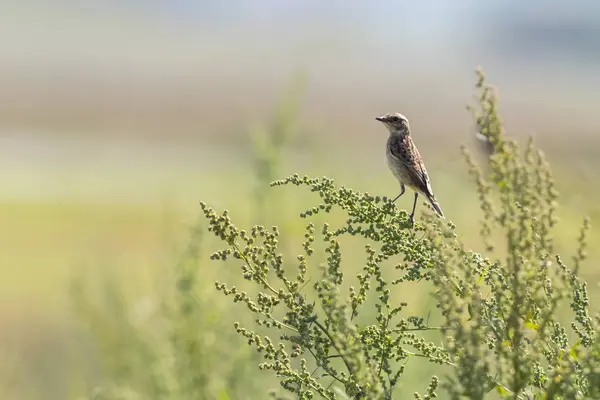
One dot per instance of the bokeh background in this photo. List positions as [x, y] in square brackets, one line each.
[117, 117]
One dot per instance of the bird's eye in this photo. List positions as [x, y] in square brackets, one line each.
[395, 119]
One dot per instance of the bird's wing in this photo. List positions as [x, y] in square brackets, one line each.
[427, 185]
[406, 152]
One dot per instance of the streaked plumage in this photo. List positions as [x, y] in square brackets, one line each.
[405, 162]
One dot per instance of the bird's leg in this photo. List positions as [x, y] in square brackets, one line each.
[402, 190]
[412, 214]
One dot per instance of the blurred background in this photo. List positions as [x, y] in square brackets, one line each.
[117, 117]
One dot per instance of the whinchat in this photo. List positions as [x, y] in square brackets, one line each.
[405, 162]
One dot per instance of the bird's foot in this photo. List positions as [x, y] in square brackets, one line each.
[412, 219]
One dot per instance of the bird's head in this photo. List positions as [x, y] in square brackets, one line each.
[396, 123]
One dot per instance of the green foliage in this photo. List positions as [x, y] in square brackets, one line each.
[366, 361]
[501, 328]
[162, 347]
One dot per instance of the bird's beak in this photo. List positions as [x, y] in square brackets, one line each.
[380, 119]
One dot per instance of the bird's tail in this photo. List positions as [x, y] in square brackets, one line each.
[435, 206]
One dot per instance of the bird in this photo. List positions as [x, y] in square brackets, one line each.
[405, 162]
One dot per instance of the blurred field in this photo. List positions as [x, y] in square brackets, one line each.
[134, 231]
[115, 122]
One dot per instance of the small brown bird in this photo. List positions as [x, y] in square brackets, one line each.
[405, 162]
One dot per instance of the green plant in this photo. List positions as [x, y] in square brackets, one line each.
[162, 347]
[501, 314]
[269, 142]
